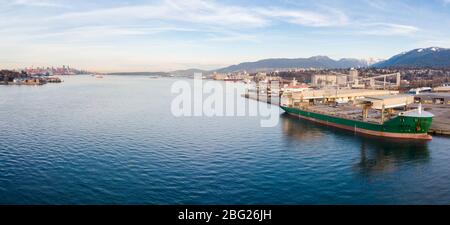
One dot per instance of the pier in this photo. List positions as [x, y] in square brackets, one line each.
[379, 99]
[263, 98]
[441, 119]
[439, 105]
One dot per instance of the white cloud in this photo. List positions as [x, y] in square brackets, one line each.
[102, 33]
[194, 11]
[306, 18]
[388, 29]
[91, 32]
[380, 5]
[224, 22]
[40, 3]
[210, 13]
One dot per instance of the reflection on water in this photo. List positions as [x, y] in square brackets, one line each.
[115, 141]
[377, 155]
[300, 129]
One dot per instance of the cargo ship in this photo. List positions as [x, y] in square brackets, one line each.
[370, 112]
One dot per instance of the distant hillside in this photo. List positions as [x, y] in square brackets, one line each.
[141, 73]
[433, 57]
[283, 63]
[188, 72]
[9, 75]
[181, 73]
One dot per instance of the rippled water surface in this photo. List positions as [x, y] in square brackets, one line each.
[115, 141]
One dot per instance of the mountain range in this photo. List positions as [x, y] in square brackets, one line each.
[323, 62]
[432, 57]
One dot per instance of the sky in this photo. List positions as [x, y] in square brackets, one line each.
[166, 35]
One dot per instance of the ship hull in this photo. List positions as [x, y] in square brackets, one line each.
[398, 127]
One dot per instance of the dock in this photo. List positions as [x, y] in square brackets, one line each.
[380, 99]
[262, 98]
[439, 105]
[441, 119]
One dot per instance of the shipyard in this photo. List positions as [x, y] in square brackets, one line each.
[376, 105]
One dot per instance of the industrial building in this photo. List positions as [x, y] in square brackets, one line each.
[353, 80]
[444, 88]
[322, 80]
[433, 98]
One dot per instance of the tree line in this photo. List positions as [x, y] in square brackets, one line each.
[8, 75]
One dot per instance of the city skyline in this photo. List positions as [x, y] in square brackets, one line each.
[166, 35]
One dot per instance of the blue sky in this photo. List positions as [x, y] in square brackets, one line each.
[164, 35]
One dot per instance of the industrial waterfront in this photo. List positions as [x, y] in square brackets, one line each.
[115, 141]
[360, 104]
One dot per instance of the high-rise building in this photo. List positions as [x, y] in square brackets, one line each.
[353, 74]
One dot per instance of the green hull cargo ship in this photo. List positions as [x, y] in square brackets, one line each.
[362, 111]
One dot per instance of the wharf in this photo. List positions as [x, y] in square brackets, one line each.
[439, 126]
[262, 98]
[441, 119]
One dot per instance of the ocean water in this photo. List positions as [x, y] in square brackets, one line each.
[115, 141]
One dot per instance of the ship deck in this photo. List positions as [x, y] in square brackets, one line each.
[347, 111]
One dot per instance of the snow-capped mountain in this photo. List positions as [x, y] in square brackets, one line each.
[433, 57]
[370, 61]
